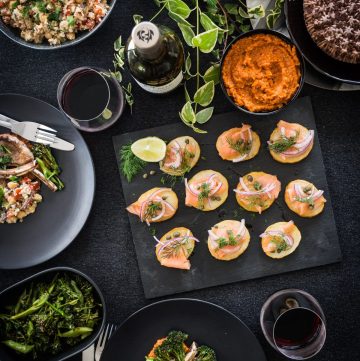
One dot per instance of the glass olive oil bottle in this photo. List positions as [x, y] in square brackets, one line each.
[155, 57]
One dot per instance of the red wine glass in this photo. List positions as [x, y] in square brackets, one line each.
[91, 98]
[294, 324]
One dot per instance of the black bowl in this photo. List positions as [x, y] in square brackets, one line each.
[14, 34]
[282, 37]
[11, 294]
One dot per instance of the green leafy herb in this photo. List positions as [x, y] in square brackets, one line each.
[47, 318]
[14, 178]
[239, 146]
[55, 16]
[14, 5]
[280, 243]
[2, 194]
[308, 200]
[257, 186]
[41, 6]
[5, 157]
[174, 248]
[204, 193]
[231, 241]
[282, 144]
[152, 209]
[130, 164]
[70, 20]
[170, 180]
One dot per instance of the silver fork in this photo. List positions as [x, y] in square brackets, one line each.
[103, 339]
[35, 132]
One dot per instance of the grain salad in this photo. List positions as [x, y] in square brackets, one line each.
[19, 198]
[52, 21]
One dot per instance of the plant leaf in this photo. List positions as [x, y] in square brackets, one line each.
[205, 94]
[179, 19]
[213, 73]
[187, 95]
[231, 9]
[198, 130]
[243, 13]
[204, 115]
[257, 12]
[137, 18]
[179, 7]
[207, 23]
[187, 33]
[187, 113]
[206, 41]
[188, 64]
[118, 44]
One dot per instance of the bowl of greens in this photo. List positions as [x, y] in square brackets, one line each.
[52, 315]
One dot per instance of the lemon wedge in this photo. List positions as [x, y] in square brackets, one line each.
[149, 149]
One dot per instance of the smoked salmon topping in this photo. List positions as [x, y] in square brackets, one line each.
[304, 199]
[182, 154]
[227, 240]
[258, 192]
[204, 190]
[153, 208]
[278, 240]
[293, 141]
[175, 247]
[235, 144]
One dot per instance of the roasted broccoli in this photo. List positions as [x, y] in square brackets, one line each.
[172, 349]
[205, 353]
[47, 164]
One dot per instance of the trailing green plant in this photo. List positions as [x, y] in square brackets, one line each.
[206, 27]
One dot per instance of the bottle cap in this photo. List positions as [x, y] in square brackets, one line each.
[146, 37]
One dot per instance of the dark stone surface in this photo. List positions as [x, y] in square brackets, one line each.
[104, 248]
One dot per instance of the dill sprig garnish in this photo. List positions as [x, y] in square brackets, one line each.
[152, 209]
[130, 164]
[309, 201]
[239, 146]
[173, 249]
[204, 193]
[282, 144]
[280, 243]
[232, 241]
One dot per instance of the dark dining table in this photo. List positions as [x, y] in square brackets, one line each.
[104, 248]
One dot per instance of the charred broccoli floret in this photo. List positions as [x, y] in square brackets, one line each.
[205, 353]
[172, 349]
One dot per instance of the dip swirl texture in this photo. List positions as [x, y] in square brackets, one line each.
[261, 72]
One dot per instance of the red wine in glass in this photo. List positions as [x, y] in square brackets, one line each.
[85, 95]
[297, 328]
[293, 323]
[91, 98]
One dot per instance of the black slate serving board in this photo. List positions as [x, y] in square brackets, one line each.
[319, 245]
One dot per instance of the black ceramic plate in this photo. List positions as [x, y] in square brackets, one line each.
[12, 293]
[61, 215]
[322, 62]
[204, 322]
[14, 34]
[319, 243]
